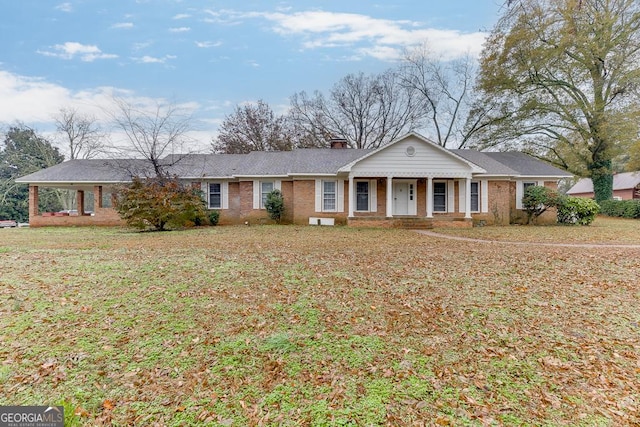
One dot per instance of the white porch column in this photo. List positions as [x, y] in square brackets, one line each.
[351, 196]
[389, 197]
[467, 196]
[429, 197]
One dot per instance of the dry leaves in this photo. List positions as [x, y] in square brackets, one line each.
[268, 325]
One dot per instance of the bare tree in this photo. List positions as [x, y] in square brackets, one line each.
[81, 133]
[369, 111]
[445, 89]
[252, 127]
[157, 134]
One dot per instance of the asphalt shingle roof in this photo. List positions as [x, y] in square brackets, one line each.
[492, 166]
[90, 170]
[311, 161]
[526, 165]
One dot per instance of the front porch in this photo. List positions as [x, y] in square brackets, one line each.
[414, 203]
[99, 215]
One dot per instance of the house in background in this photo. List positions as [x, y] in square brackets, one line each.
[626, 186]
[411, 182]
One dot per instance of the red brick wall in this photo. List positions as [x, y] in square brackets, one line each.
[101, 217]
[288, 198]
[232, 215]
[501, 202]
[304, 200]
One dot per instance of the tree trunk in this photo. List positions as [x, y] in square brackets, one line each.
[602, 178]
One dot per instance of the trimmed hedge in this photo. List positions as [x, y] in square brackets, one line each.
[576, 210]
[621, 208]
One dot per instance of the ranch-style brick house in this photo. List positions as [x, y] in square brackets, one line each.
[411, 182]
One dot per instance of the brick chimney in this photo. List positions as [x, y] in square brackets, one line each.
[338, 143]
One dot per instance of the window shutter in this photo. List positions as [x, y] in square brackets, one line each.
[484, 196]
[462, 193]
[373, 195]
[225, 194]
[340, 196]
[277, 185]
[318, 195]
[256, 194]
[204, 187]
[451, 196]
[541, 183]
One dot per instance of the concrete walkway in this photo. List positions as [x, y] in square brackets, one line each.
[556, 245]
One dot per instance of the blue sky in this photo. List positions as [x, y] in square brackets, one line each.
[210, 56]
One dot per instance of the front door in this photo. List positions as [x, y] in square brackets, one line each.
[404, 200]
[400, 198]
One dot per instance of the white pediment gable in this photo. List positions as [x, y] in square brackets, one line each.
[412, 156]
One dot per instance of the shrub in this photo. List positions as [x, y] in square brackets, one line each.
[214, 217]
[537, 200]
[275, 205]
[160, 203]
[621, 208]
[577, 210]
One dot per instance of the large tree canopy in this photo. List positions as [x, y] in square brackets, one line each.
[564, 75]
[156, 133]
[80, 134]
[253, 127]
[367, 110]
[444, 90]
[24, 152]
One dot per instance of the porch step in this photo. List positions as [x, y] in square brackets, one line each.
[409, 222]
[413, 223]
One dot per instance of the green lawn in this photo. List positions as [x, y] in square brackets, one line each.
[604, 230]
[291, 326]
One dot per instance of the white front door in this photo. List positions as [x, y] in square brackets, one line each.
[404, 199]
[400, 198]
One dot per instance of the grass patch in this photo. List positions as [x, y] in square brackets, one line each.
[320, 326]
[604, 230]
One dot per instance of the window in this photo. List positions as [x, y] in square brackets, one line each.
[329, 195]
[475, 196]
[215, 195]
[439, 196]
[362, 196]
[526, 185]
[266, 187]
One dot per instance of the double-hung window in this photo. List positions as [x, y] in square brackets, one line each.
[266, 187]
[440, 196]
[215, 195]
[362, 196]
[329, 196]
[475, 196]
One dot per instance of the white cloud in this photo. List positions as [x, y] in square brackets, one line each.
[385, 38]
[65, 7]
[141, 45]
[180, 30]
[35, 102]
[208, 44]
[154, 60]
[122, 25]
[381, 38]
[71, 50]
[182, 16]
